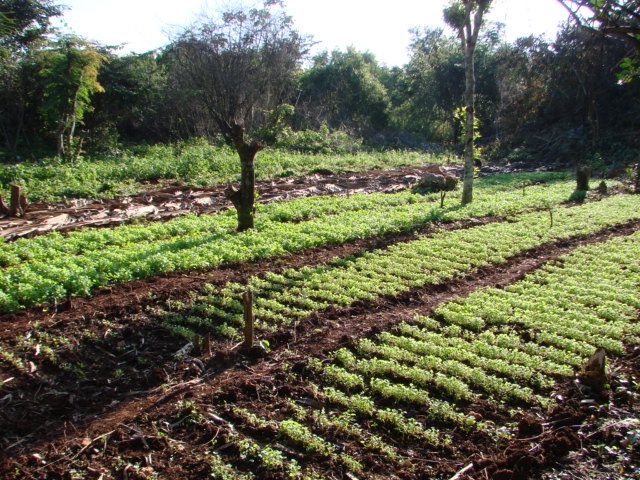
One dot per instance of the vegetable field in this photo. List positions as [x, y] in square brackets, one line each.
[394, 338]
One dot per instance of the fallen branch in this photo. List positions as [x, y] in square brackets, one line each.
[462, 472]
[69, 459]
[23, 470]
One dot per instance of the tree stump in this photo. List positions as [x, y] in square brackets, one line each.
[583, 175]
[17, 205]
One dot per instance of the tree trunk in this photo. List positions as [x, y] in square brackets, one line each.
[467, 187]
[469, 36]
[71, 124]
[60, 139]
[469, 92]
[243, 199]
[247, 191]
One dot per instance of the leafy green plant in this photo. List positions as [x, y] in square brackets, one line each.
[88, 259]
[290, 296]
[300, 435]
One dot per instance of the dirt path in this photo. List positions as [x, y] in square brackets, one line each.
[176, 200]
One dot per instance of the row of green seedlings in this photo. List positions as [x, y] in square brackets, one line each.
[432, 370]
[290, 296]
[295, 210]
[582, 300]
[504, 186]
[284, 444]
[330, 436]
[25, 352]
[435, 368]
[305, 208]
[191, 163]
[567, 309]
[320, 436]
[51, 267]
[287, 297]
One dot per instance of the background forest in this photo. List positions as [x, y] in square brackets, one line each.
[556, 103]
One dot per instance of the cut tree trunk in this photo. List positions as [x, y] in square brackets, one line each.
[18, 202]
[583, 175]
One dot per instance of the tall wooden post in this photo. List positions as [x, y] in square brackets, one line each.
[249, 335]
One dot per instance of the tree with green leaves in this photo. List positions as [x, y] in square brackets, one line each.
[615, 18]
[433, 85]
[466, 18]
[5, 24]
[69, 70]
[343, 90]
[25, 22]
[618, 19]
[134, 106]
[24, 26]
[237, 67]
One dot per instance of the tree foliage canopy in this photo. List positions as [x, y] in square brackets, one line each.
[70, 70]
[240, 77]
[23, 22]
[615, 18]
[344, 90]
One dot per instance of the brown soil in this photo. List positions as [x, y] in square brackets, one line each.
[123, 415]
[176, 200]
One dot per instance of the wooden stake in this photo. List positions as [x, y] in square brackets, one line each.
[249, 336]
[204, 344]
[207, 344]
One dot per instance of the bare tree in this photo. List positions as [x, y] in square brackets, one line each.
[237, 66]
[465, 17]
